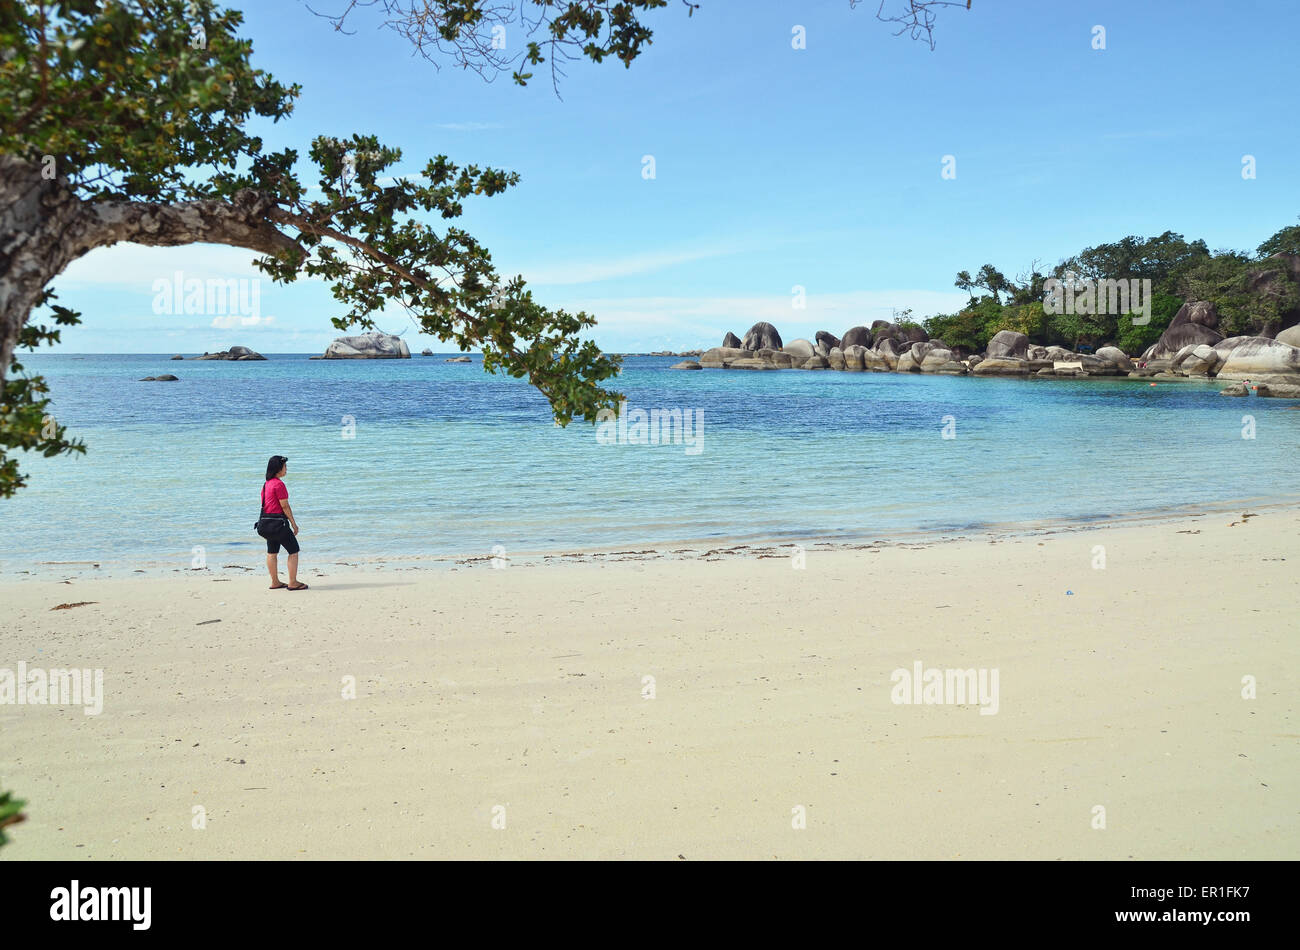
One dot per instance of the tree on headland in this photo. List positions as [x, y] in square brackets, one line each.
[965, 282]
[1253, 293]
[987, 278]
[992, 280]
[1286, 241]
[1163, 260]
[127, 121]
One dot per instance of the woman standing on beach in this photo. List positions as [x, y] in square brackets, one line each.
[282, 527]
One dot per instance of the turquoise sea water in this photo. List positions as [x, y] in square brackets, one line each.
[447, 460]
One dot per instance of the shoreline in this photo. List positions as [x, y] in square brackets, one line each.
[685, 549]
[525, 690]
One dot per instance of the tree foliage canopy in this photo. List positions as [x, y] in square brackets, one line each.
[476, 34]
[127, 120]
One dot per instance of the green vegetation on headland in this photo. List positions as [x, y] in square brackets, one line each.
[1254, 294]
[1181, 311]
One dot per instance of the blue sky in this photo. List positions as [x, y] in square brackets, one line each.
[778, 167]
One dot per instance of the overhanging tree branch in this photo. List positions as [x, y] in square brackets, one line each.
[116, 124]
[914, 17]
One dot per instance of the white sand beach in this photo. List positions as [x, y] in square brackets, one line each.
[526, 688]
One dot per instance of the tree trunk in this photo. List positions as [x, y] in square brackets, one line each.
[44, 227]
[33, 212]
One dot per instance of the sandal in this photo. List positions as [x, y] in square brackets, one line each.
[300, 587]
[278, 587]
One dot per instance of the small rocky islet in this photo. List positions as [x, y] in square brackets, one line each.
[1190, 348]
[235, 353]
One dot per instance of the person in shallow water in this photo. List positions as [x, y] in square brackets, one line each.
[275, 502]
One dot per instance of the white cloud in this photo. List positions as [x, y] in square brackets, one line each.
[136, 267]
[589, 271]
[231, 321]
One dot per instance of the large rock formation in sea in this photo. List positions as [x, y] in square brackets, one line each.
[1008, 344]
[932, 356]
[1259, 358]
[855, 336]
[1204, 357]
[800, 349]
[1111, 354]
[884, 330]
[720, 357]
[826, 341]
[1001, 366]
[234, 353]
[1195, 322]
[877, 361]
[1290, 336]
[731, 341]
[761, 336]
[368, 346]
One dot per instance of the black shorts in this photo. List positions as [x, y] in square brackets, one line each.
[283, 536]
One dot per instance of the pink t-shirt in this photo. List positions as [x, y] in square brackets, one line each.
[272, 492]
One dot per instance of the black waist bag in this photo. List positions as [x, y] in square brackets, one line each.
[268, 525]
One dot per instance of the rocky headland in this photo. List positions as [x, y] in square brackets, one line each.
[1191, 348]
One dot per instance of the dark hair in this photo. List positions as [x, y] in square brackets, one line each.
[274, 465]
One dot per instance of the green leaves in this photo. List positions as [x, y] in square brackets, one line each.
[147, 101]
[25, 422]
[1163, 259]
[473, 34]
[1252, 293]
[1135, 339]
[1285, 241]
[10, 814]
[376, 238]
[117, 93]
